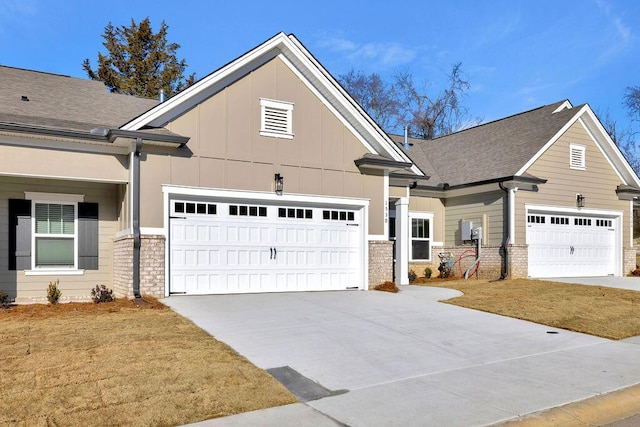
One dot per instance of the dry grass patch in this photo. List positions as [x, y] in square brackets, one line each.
[387, 287]
[114, 364]
[605, 312]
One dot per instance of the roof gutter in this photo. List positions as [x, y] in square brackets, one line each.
[98, 134]
[504, 251]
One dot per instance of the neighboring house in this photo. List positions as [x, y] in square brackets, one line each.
[548, 187]
[266, 176]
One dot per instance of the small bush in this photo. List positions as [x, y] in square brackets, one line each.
[53, 293]
[5, 301]
[427, 273]
[387, 287]
[412, 276]
[101, 294]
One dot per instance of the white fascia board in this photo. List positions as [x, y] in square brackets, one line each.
[609, 149]
[550, 142]
[263, 196]
[61, 144]
[565, 105]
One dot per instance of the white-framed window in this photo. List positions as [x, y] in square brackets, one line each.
[54, 231]
[276, 118]
[577, 157]
[420, 234]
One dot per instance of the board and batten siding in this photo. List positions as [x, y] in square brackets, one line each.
[484, 210]
[226, 149]
[597, 182]
[29, 288]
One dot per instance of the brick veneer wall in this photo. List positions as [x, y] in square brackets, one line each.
[380, 262]
[151, 266]
[490, 261]
[630, 260]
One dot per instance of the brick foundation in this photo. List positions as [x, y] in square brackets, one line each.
[151, 266]
[380, 262]
[490, 261]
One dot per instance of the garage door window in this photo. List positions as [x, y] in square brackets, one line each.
[194, 208]
[295, 213]
[245, 210]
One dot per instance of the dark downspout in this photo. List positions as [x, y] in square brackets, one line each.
[135, 220]
[503, 249]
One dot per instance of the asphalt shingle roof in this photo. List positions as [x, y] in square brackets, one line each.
[64, 102]
[489, 151]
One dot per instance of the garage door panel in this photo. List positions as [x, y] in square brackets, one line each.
[295, 249]
[570, 245]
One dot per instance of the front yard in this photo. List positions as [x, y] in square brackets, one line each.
[596, 310]
[115, 364]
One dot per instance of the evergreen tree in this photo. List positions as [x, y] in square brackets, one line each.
[139, 62]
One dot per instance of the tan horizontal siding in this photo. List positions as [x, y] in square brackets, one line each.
[597, 183]
[24, 287]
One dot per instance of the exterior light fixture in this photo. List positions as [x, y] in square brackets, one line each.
[279, 181]
[580, 200]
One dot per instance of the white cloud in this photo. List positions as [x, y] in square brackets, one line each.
[12, 12]
[620, 36]
[370, 56]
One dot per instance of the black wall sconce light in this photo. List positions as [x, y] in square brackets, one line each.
[580, 200]
[279, 181]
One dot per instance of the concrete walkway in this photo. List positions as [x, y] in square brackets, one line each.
[406, 359]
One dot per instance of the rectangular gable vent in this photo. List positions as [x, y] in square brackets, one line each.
[577, 157]
[276, 118]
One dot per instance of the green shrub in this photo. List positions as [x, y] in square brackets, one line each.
[427, 273]
[53, 293]
[412, 276]
[4, 299]
[101, 294]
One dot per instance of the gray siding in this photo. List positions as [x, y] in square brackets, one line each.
[484, 210]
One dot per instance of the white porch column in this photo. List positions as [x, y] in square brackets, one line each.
[402, 241]
[512, 216]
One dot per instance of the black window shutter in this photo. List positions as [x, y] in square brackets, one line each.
[19, 234]
[88, 236]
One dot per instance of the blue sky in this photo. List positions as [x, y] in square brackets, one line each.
[517, 54]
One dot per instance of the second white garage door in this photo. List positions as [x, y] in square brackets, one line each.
[562, 245]
[219, 247]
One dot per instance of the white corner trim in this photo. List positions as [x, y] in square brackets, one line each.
[54, 197]
[152, 231]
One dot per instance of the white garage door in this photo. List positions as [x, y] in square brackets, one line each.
[230, 247]
[571, 245]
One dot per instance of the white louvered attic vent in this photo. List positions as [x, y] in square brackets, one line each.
[276, 118]
[577, 157]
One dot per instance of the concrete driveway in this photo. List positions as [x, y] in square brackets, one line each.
[407, 359]
[630, 283]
